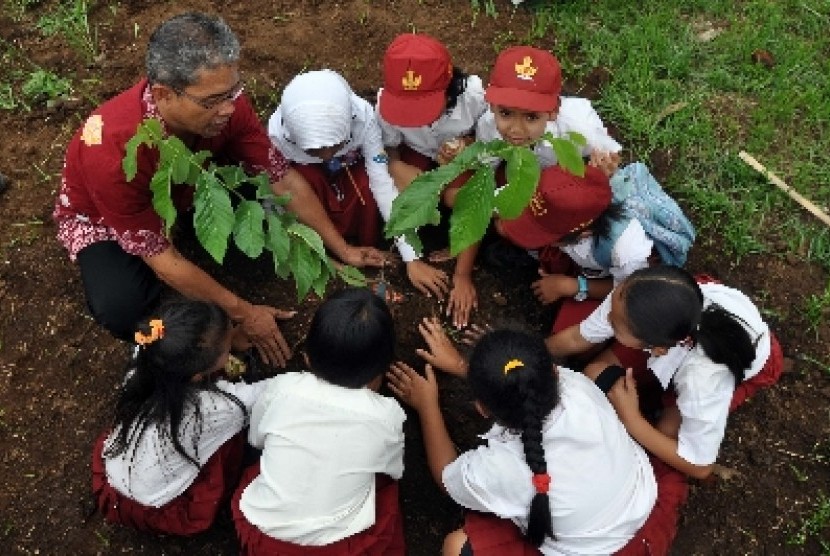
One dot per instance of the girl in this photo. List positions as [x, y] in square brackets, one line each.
[427, 108]
[708, 341]
[524, 99]
[559, 474]
[175, 450]
[332, 137]
[326, 484]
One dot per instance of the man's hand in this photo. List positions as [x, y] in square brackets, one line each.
[427, 279]
[462, 301]
[552, 287]
[442, 353]
[260, 326]
[416, 391]
[361, 256]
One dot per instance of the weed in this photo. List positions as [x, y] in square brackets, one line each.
[46, 87]
[800, 476]
[8, 101]
[816, 308]
[18, 8]
[71, 20]
[813, 524]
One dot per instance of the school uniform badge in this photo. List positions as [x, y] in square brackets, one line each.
[526, 70]
[93, 130]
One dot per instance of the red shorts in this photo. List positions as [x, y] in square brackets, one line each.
[492, 536]
[347, 199]
[383, 538]
[191, 512]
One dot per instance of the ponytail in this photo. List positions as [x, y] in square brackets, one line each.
[725, 340]
[511, 373]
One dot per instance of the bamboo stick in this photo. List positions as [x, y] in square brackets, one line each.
[800, 199]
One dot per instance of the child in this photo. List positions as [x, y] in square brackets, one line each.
[332, 137]
[558, 464]
[705, 339]
[332, 446]
[175, 450]
[427, 108]
[523, 93]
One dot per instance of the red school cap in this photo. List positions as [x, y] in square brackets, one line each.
[417, 70]
[562, 204]
[526, 78]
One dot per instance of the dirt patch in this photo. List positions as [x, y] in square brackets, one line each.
[58, 370]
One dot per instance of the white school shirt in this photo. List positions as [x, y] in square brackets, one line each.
[428, 139]
[602, 486]
[365, 137]
[629, 253]
[156, 473]
[322, 446]
[704, 388]
[575, 114]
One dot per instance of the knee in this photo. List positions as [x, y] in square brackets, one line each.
[454, 542]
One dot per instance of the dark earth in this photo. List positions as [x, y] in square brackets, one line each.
[59, 371]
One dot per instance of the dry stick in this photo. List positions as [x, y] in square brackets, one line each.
[801, 200]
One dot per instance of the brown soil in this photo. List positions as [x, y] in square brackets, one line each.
[59, 371]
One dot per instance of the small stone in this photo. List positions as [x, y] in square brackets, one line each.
[500, 299]
[763, 57]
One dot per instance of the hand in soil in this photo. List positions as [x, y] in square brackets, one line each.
[474, 333]
[362, 256]
[261, 329]
[462, 301]
[427, 279]
[552, 287]
[418, 392]
[442, 353]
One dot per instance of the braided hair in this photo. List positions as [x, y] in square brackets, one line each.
[184, 339]
[664, 306]
[511, 373]
[456, 88]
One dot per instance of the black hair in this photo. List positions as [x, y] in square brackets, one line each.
[160, 388]
[351, 340]
[600, 227]
[456, 88]
[511, 373]
[664, 305]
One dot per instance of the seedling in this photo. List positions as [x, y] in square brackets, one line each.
[71, 20]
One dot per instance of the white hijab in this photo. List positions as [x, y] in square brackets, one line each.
[317, 109]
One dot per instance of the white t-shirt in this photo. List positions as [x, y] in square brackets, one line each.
[322, 446]
[156, 473]
[704, 388]
[602, 484]
[575, 114]
[365, 138]
[428, 139]
[629, 253]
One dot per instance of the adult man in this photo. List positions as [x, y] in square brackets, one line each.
[109, 225]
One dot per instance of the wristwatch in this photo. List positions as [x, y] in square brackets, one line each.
[582, 293]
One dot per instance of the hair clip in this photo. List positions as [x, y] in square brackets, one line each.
[542, 482]
[512, 364]
[156, 332]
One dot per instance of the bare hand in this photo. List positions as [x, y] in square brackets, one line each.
[362, 256]
[442, 353]
[449, 150]
[623, 396]
[462, 301]
[552, 287]
[474, 333]
[607, 162]
[427, 279]
[260, 326]
[418, 392]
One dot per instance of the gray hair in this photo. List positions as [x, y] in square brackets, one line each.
[184, 45]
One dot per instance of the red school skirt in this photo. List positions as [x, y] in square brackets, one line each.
[383, 538]
[493, 536]
[191, 512]
[347, 199]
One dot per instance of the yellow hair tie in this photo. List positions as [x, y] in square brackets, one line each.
[512, 364]
[156, 332]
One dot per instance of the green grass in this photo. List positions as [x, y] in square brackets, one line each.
[656, 58]
[817, 521]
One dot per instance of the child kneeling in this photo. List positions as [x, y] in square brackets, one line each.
[332, 446]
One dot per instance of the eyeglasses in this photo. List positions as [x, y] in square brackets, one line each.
[212, 101]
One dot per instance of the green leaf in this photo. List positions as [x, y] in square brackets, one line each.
[148, 133]
[248, 232]
[213, 219]
[162, 201]
[197, 166]
[180, 168]
[320, 283]
[309, 236]
[569, 156]
[305, 266]
[522, 177]
[352, 276]
[472, 211]
[412, 238]
[277, 240]
[231, 176]
[577, 138]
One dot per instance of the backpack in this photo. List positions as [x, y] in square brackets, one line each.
[661, 217]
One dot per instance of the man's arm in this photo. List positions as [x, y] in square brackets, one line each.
[257, 321]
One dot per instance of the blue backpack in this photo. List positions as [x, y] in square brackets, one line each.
[661, 217]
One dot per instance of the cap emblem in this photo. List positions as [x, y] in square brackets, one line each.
[526, 70]
[410, 81]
